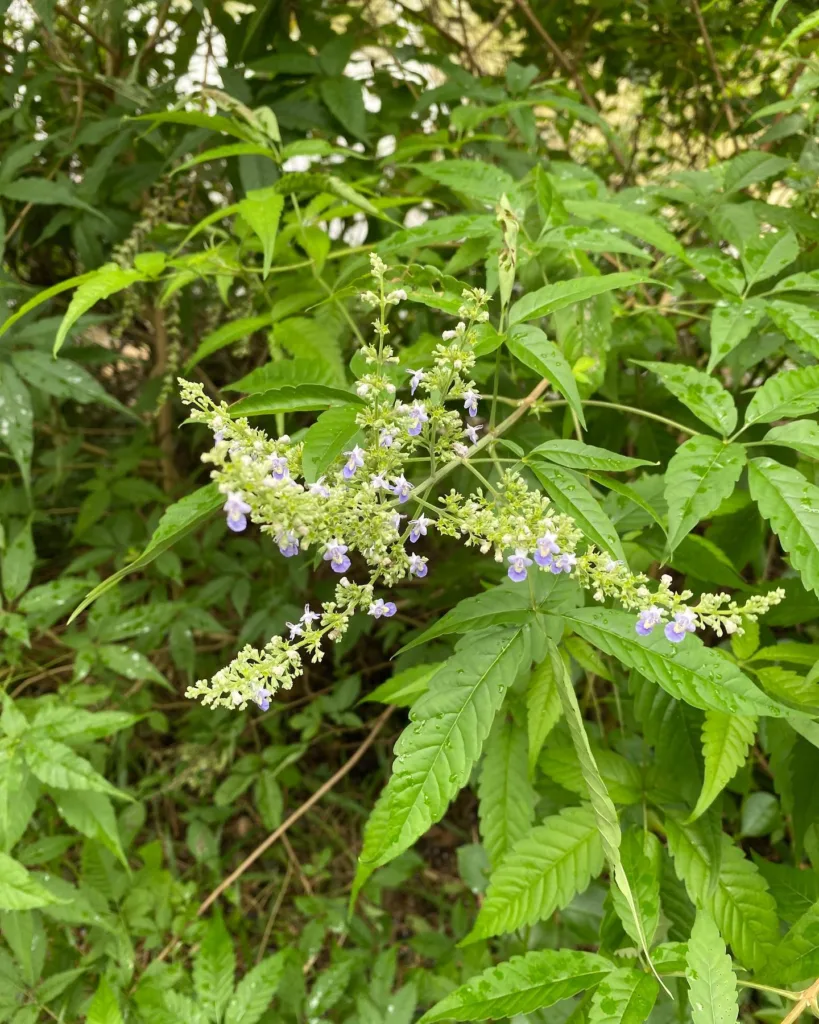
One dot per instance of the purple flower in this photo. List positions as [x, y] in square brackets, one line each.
[279, 469]
[396, 521]
[564, 563]
[545, 547]
[320, 488]
[386, 438]
[418, 417]
[415, 380]
[378, 482]
[517, 565]
[218, 437]
[309, 617]
[684, 622]
[418, 566]
[472, 432]
[336, 555]
[647, 620]
[237, 509]
[295, 629]
[419, 528]
[355, 459]
[402, 488]
[262, 698]
[471, 402]
[381, 607]
[288, 543]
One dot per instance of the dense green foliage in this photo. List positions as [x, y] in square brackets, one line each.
[578, 823]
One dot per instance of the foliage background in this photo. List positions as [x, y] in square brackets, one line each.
[127, 805]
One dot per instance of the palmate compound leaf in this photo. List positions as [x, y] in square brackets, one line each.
[739, 901]
[506, 799]
[796, 957]
[725, 743]
[542, 872]
[691, 671]
[791, 504]
[712, 984]
[625, 996]
[437, 751]
[521, 985]
[701, 474]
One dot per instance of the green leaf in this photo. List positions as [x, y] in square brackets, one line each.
[622, 778]
[107, 280]
[177, 521]
[18, 889]
[506, 800]
[63, 379]
[104, 1008]
[577, 455]
[59, 766]
[576, 236]
[788, 394]
[198, 119]
[725, 743]
[625, 996]
[690, 671]
[500, 606]
[521, 985]
[437, 231]
[531, 346]
[800, 435]
[543, 707]
[769, 254]
[343, 98]
[642, 856]
[129, 663]
[796, 957]
[808, 282]
[223, 153]
[739, 902]
[807, 24]
[704, 396]
[44, 296]
[605, 812]
[571, 496]
[404, 688]
[93, 815]
[724, 273]
[702, 473]
[731, 323]
[18, 562]
[262, 209]
[797, 322]
[234, 330]
[293, 398]
[334, 432]
[16, 420]
[750, 167]
[437, 751]
[255, 991]
[476, 179]
[791, 504]
[43, 192]
[794, 889]
[553, 297]
[213, 969]
[641, 225]
[712, 984]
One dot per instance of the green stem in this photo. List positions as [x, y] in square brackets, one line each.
[636, 412]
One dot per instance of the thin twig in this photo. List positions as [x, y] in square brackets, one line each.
[807, 999]
[706, 38]
[268, 928]
[70, 16]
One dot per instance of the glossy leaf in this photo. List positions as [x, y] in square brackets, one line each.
[334, 432]
[577, 455]
[787, 394]
[506, 799]
[725, 742]
[543, 707]
[293, 398]
[521, 985]
[571, 496]
[16, 419]
[791, 504]
[255, 991]
[712, 984]
[801, 435]
[262, 209]
[18, 889]
[107, 281]
[703, 395]
[553, 297]
[702, 473]
[531, 346]
[625, 996]
[731, 323]
[226, 334]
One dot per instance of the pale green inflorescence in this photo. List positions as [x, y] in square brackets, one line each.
[358, 507]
